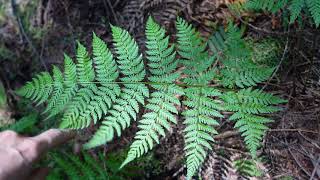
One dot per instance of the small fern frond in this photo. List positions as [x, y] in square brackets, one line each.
[39, 89]
[23, 124]
[199, 121]
[161, 60]
[247, 105]
[70, 87]
[239, 69]
[85, 76]
[75, 168]
[266, 5]
[202, 107]
[126, 106]
[191, 47]
[248, 167]
[314, 8]
[295, 8]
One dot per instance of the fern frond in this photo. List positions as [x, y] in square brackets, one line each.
[70, 87]
[21, 125]
[248, 167]
[239, 69]
[39, 89]
[199, 121]
[89, 91]
[161, 60]
[314, 8]
[247, 105]
[92, 102]
[85, 75]
[295, 8]
[126, 106]
[202, 108]
[266, 5]
[75, 168]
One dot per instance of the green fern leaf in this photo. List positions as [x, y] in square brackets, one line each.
[202, 108]
[247, 105]
[70, 87]
[134, 92]
[39, 89]
[161, 60]
[314, 8]
[295, 9]
[75, 168]
[92, 102]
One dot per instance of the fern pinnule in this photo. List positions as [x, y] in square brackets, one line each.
[126, 106]
[161, 109]
[199, 125]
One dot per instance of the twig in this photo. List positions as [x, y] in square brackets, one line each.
[298, 163]
[315, 169]
[226, 134]
[108, 4]
[292, 130]
[286, 49]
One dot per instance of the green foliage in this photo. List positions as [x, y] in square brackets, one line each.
[247, 104]
[202, 108]
[295, 7]
[161, 104]
[72, 167]
[114, 90]
[23, 125]
[126, 106]
[3, 96]
[248, 167]
[85, 166]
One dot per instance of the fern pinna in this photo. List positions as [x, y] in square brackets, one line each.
[215, 78]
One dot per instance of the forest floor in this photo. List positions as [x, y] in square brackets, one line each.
[32, 42]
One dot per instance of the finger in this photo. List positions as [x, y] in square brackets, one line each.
[52, 138]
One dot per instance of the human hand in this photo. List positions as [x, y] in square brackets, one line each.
[18, 153]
